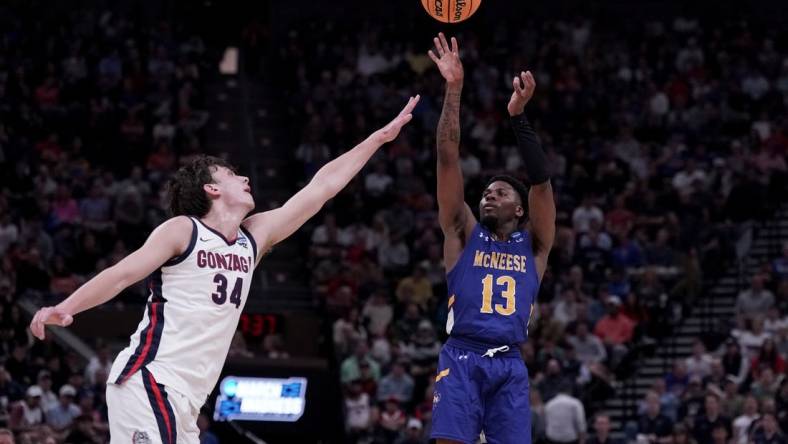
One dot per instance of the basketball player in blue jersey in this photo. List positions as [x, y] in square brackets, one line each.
[493, 271]
[199, 265]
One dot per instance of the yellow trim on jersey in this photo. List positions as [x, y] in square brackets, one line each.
[442, 374]
[451, 300]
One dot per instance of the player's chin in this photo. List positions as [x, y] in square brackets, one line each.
[489, 221]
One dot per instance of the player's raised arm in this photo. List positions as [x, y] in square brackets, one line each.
[456, 218]
[271, 227]
[541, 205]
[165, 242]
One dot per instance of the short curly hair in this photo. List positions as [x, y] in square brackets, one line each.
[185, 192]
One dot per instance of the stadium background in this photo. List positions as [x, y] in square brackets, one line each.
[664, 123]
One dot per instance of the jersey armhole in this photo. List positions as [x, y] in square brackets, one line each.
[180, 258]
[474, 234]
[251, 241]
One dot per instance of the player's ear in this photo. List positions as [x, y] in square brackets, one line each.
[519, 211]
[211, 189]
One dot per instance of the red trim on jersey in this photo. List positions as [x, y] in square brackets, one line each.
[162, 406]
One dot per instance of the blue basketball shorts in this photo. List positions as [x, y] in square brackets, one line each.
[481, 389]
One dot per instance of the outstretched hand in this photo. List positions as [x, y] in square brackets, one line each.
[49, 316]
[523, 86]
[392, 129]
[447, 59]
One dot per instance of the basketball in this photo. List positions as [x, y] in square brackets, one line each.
[451, 11]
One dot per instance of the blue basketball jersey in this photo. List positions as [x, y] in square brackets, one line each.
[492, 289]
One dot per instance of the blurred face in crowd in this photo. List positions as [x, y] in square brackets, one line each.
[6, 437]
[582, 330]
[750, 406]
[719, 434]
[712, 406]
[602, 425]
[500, 204]
[769, 424]
[652, 404]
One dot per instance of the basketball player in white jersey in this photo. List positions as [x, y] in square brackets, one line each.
[199, 265]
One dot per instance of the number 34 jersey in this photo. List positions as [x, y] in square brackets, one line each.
[192, 314]
[492, 289]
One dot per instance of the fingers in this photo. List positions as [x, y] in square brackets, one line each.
[408, 108]
[433, 56]
[455, 47]
[528, 80]
[65, 320]
[444, 43]
[516, 85]
[37, 324]
[438, 46]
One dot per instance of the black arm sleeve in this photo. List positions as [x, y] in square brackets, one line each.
[531, 150]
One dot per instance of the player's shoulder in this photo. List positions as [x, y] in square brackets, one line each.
[175, 228]
[177, 223]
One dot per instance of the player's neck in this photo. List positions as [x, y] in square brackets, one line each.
[224, 221]
[503, 232]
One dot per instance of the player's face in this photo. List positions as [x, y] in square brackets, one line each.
[500, 204]
[235, 189]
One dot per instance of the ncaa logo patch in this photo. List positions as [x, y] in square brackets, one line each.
[436, 398]
[140, 438]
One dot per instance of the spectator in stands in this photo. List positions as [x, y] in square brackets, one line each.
[62, 416]
[351, 367]
[711, 418]
[652, 425]
[602, 431]
[615, 329]
[768, 357]
[767, 384]
[6, 437]
[348, 332]
[588, 348]
[48, 398]
[27, 413]
[768, 431]
[756, 300]
[84, 431]
[692, 400]
[396, 384]
[699, 363]
[413, 433]
[378, 313]
[10, 390]
[752, 339]
[102, 361]
[415, 288]
[734, 362]
[741, 425]
[392, 420]
[359, 419]
[585, 214]
[565, 417]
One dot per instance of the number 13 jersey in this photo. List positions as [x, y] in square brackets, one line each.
[492, 289]
[192, 314]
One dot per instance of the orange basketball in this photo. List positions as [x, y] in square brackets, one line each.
[451, 11]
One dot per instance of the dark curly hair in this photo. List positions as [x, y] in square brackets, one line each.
[185, 192]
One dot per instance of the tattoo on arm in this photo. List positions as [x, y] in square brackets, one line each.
[449, 127]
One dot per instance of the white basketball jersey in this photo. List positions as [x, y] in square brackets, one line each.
[192, 313]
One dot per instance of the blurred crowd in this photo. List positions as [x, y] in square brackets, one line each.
[95, 111]
[664, 139]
